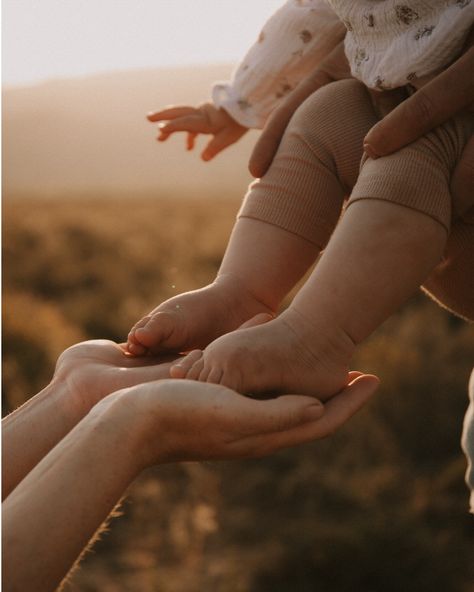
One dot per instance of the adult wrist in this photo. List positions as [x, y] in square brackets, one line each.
[128, 413]
[73, 402]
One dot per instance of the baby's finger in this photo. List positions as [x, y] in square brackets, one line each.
[163, 136]
[219, 142]
[191, 140]
[191, 123]
[170, 113]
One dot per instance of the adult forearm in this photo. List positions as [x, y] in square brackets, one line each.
[32, 430]
[52, 514]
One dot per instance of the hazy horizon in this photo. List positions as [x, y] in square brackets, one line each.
[104, 74]
[58, 39]
[89, 136]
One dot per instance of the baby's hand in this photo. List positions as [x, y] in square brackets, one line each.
[205, 119]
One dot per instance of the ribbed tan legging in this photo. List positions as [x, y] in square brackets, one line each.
[319, 164]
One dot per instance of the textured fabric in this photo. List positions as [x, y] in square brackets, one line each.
[318, 163]
[292, 42]
[390, 43]
[418, 175]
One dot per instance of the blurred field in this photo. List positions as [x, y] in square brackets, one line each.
[379, 507]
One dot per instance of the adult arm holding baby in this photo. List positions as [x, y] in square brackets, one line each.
[70, 452]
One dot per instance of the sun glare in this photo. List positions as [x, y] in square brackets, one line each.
[64, 38]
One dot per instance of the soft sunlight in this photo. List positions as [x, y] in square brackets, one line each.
[66, 38]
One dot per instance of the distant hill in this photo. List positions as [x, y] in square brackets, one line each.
[89, 134]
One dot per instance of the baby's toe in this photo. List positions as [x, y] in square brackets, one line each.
[181, 368]
[204, 373]
[148, 333]
[196, 370]
[156, 329]
[215, 375]
[136, 349]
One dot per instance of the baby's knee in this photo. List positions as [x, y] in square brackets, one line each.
[332, 123]
[332, 107]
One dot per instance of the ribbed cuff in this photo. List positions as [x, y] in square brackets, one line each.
[403, 181]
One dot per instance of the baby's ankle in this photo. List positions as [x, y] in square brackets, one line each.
[326, 340]
[243, 294]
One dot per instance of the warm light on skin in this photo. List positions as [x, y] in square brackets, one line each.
[66, 38]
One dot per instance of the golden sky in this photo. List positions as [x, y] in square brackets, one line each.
[45, 39]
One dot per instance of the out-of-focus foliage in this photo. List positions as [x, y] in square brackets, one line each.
[379, 507]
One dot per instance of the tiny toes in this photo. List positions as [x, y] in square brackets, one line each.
[147, 335]
[156, 330]
[196, 370]
[204, 374]
[181, 368]
[215, 375]
[136, 349]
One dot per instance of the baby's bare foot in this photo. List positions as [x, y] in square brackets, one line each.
[195, 319]
[285, 355]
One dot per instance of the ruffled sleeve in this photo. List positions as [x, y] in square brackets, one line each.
[291, 44]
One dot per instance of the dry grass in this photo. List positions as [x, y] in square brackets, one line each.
[381, 506]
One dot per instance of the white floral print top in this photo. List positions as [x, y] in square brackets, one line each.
[389, 43]
[292, 42]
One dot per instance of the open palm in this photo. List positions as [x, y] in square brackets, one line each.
[94, 369]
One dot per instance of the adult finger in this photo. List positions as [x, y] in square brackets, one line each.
[221, 141]
[437, 101]
[462, 181]
[276, 415]
[170, 113]
[337, 411]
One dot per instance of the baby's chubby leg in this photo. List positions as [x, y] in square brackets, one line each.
[377, 257]
[286, 219]
[261, 264]
[390, 238]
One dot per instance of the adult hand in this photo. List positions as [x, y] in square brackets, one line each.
[181, 420]
[440, 99]
[334, 67]
[462, 183]
[85, 374]
[93, 369]
[407, 120]
[205, 119]
[68, 495]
